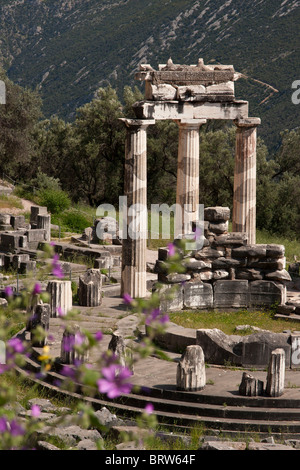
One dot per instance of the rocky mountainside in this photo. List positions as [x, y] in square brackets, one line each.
[68, 48]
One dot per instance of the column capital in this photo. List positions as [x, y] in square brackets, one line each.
[190, 123]
[137, 123]
[247, 122]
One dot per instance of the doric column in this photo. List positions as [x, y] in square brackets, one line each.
[135, 217]
[187, 195]
[244, 198]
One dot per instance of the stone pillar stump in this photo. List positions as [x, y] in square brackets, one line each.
[60, 297]
[276, 373]
[90, 288]
[191, 375]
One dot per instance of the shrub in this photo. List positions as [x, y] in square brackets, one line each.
[74, 221]
[56, 200]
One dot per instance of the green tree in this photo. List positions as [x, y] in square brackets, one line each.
[97, 160]
[18, 118]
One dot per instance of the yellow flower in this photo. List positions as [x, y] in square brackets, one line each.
[45, 356]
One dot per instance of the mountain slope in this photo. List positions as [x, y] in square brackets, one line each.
[68, 48]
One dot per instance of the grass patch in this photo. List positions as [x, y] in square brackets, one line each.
[10, 202]
[228, 321]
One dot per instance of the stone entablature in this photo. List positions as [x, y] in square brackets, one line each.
[188, 82]
[227, 273]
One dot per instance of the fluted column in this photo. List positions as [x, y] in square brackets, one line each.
[187, 195]
[244, 198]
[135, 225]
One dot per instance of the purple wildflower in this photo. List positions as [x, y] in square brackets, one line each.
[198, 233]
[68, 343]
[56, 268]
[127, 299]
[16, 429]
[37, 289]
[98, 336]
[155, 315]
[8, 291]
[3, 425]
[68, 372]
[60, 312]
[35, 411]
[115, 381]
[149, 408]
[171, 249]
[16, 345]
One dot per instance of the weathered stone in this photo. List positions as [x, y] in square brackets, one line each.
[174, 278]
[60, 297]
[221, 274]
[227, 263]
[39, 318]
[197, 295]
[34, 212]
[107, 419]
[218, 347]
[295, 350]
[44, 222]
[18, 259]
[254, 251]
[276, 251]
[118, 347]
[232, 239]
[249, 274]
[279, 276]
[90, 288]
[163, 254]
[217, 214]
[163, 92]
[276, 373]
[223, 445]
[106, 229]
[250, 386]
[196, 265]
[191, 375]
[17, 221]
[44, 445]
[208, 253]
[27, 267]
[266, 293]
[73, 346]
[267, 446]
[286, 309]
[266, 264]
[34, 237]
[171, 297]
[5, 219]
[12, 241]
[218, 228]
[104, 261]
[257, 348]
[294, 269]
[231, 294]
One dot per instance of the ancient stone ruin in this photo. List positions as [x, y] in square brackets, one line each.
[227, 273]
[189, 95]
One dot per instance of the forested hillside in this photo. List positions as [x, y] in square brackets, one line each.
[67, 49]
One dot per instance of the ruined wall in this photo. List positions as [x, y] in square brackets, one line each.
[226, 273]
